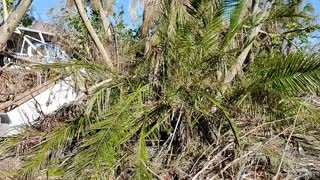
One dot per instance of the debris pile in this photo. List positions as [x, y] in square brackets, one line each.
[13, 83]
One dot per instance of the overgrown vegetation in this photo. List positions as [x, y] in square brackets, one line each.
[217, 90]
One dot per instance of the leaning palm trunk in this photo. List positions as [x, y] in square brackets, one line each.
[145, 20]
[13, 20]
[237, 66]
[97, 6]
[105, 22]
[93, 34]
[5, 10]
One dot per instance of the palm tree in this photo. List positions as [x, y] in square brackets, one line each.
[97, 5]
[144, 128]
[103, 8]
[151, 13]
[93, 34]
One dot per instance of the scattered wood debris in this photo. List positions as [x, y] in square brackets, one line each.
[14, 82]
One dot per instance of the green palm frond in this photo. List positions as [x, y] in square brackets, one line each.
[99, 102]
[296, 73]
[237, 20]
[278, 86]
[47, 151]
[288, 11]
[115, 127]
[232, 124]
[141, 171]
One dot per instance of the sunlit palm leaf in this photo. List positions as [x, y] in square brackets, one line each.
[289, 75]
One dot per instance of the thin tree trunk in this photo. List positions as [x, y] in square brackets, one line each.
[12, 22]
[92, 33]
[5, 10]
[145, 20]
[105, 21]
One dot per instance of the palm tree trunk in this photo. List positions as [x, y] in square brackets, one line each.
[145, 20]
[5, 10]
[105, 21]
[93, 34]
[236, 68]
[12, 22]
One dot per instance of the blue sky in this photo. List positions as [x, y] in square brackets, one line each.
[316, 5]
[41, 7]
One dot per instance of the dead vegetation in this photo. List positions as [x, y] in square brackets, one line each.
[199, 101]
[14, 82]
[264, 153]
[18, 80]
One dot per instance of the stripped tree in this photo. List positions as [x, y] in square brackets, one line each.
[93, 34]
[12, 22]
[5, 10]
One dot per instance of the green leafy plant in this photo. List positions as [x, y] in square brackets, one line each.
[164, 114]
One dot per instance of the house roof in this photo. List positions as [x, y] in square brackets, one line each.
[24, 29]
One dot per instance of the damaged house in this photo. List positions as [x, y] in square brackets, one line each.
[33, 45]
[25, 95]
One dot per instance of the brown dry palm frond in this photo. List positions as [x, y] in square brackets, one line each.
[151, 13]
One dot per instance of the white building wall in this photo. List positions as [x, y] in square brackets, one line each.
[47, 102]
